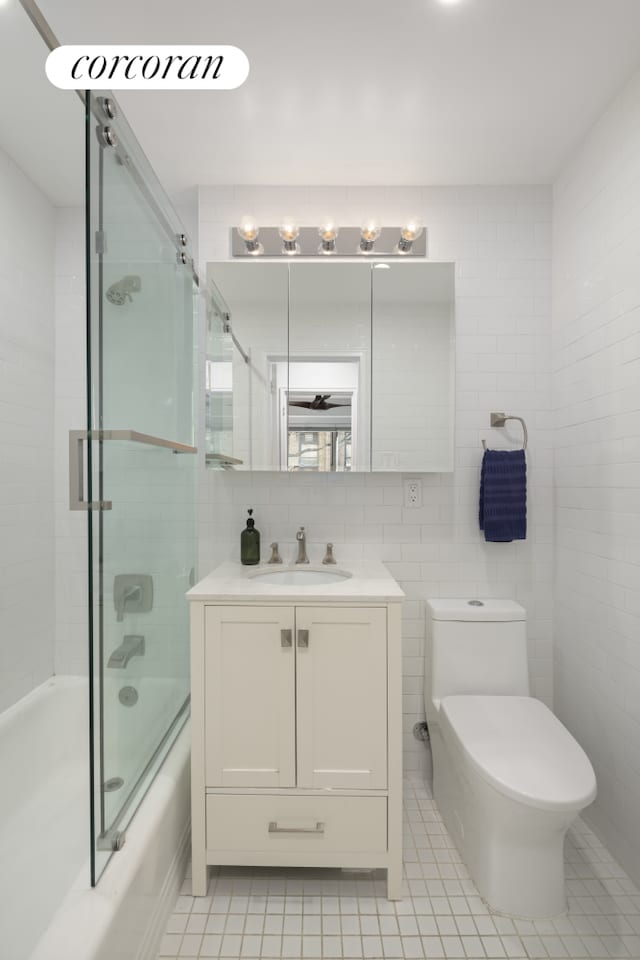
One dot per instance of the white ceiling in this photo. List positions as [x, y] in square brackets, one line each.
[373, 91]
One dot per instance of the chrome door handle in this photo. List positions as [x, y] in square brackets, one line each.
[76, 475]
[274, 827]
[286, 638]
[303, 638]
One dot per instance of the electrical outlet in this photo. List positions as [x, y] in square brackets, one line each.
[413, 492]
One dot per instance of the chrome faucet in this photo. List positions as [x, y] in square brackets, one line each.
[302, 546]
[132, 646]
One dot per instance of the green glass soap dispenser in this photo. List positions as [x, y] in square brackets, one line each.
[250, 543]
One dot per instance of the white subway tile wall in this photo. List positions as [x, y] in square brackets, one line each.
[26, 434]
[71, 621]
[596, 353]
[500, 240]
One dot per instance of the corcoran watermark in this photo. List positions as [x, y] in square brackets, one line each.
[147, 67]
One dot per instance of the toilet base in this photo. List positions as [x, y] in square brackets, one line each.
[514, 853]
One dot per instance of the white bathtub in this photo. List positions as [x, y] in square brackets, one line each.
[47, 909]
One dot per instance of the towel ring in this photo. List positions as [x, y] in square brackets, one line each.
[500, 419]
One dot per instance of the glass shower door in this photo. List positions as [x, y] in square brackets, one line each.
[141, 471]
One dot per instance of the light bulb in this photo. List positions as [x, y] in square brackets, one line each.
[370, 230]
[329, 230]
[408, 233]
[249, 231]
[369, 233]
[412, 229]
[289, 231]
[328, 233]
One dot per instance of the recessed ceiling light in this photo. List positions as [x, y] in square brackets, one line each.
[448, 3]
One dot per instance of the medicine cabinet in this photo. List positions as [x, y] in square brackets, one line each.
[330, 366]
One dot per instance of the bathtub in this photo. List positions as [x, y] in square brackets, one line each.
[48, 910]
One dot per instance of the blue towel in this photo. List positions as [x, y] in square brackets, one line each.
[503, 495]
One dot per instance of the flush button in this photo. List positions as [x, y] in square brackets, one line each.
[475, 603]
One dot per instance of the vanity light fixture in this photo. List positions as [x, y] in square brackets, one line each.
[328, 234]
[409, 233]
[249, 231]
[329, 240]
[369, 233]
[289, 231]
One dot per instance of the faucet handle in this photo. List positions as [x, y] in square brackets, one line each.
[300, 534]
[329, 557]
[275, 554]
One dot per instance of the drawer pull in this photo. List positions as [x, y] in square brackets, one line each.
[275, 828]
[303, 638]
[286, 638]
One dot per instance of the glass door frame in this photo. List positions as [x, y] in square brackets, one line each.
[107, 129]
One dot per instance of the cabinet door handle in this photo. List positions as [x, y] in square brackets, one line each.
[274, 827]
[286, 638]
[303, 638]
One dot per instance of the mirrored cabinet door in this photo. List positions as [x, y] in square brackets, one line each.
[247, 348]
[413, 367]
[328, 404]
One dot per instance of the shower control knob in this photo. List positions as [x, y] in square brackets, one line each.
[182, 257]
[182, 239]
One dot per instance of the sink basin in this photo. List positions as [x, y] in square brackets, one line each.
[300, 578]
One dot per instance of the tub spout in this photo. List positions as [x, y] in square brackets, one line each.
[131, 646]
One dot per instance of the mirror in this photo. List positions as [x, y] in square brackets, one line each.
[413, 367]
[329, 400]
[247, 347]
[330, 366]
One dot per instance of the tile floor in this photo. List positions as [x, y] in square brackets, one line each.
[300, 914]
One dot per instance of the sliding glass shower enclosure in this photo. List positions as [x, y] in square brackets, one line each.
[140, 470]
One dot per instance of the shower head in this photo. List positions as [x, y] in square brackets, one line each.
[120, 291]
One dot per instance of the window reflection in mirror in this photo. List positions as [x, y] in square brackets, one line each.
[319, 431]
[330, 364]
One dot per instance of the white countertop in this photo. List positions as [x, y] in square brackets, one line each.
[370, 580]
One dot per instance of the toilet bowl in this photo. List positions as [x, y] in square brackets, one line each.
[509, 778]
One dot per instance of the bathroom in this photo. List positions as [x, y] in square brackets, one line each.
[511, 131]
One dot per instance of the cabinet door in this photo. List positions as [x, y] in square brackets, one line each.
[249, 697]
[342, 697]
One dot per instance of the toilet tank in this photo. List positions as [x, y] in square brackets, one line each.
[475, 646]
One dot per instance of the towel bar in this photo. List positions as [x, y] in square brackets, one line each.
[499, 420]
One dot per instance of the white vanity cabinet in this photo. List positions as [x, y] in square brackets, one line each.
[296, 733]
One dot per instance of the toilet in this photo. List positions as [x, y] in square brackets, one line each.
[508, 777]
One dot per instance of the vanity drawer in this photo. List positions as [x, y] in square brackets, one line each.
[263, 824]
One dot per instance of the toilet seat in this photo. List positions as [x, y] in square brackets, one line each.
[521, 749]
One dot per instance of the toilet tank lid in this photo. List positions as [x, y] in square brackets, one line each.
[476, 609]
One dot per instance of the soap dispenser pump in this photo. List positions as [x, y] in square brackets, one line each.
[250, 543]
